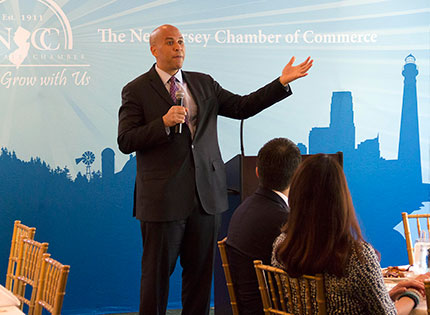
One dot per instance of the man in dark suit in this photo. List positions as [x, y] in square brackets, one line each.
[180, 185]
[257, 222]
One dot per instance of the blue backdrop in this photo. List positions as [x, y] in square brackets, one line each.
[63, 65]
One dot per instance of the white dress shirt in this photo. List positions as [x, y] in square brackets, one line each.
[188, 98]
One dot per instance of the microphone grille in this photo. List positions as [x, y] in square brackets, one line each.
[179, 94]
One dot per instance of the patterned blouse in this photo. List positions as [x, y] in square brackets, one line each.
[361, 291]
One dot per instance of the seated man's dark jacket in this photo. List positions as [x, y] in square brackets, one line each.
[253, 228]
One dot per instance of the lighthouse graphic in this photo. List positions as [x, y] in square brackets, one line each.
[409, 143]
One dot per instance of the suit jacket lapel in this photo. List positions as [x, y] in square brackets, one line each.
[159, 87]
[196, 96]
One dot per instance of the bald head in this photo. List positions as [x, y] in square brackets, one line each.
[167, 46]
[157, 33]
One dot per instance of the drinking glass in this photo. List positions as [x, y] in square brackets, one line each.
[421, 253]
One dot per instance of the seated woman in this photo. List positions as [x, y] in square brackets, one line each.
[322, 235]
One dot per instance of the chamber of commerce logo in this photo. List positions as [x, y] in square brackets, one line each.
[37, 33]
[34, 33]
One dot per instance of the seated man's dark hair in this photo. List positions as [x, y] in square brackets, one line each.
[277, 160]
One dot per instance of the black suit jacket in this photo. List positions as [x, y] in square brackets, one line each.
[170, 168]
[256, 223]
[254, 226]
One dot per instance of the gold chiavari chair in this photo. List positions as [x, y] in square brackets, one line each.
[27, 271]
[417, 217]
[52, 286]
[276, 289]
[20, 231]
[228, 279]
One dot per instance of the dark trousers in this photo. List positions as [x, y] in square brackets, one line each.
[193, 239]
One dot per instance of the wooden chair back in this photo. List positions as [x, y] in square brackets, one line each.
[228, 279]
[52, 286]
[20, 232]
[27, 271]
[427, 289]
[417, 217]
[283, 295]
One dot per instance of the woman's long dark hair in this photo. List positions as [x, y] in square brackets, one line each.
[322, 227]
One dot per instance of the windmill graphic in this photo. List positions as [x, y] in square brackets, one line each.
[87, 158]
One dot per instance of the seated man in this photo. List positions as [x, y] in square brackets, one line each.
[257, 221]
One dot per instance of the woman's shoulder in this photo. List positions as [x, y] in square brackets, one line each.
[364, 254]
[367, 249]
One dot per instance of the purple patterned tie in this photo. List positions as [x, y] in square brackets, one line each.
[173, 88]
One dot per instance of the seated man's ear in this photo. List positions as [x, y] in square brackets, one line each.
[256, 171]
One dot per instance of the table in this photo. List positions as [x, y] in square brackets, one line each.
[10, 310]
[8, 303]
[421, 309]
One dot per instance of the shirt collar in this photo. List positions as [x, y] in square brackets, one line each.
[165, 77]
[285, 198]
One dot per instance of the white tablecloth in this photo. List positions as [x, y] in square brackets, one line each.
[421, 309]
[8, 303]
[10, 310]
[7, 298]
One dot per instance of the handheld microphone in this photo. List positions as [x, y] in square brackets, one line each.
[179, 102]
